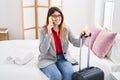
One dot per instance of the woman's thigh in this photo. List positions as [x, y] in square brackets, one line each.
[52, 72]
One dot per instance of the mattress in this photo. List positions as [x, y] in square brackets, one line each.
[15, 72]
[29, 70]
[17, 48]
[103, 63]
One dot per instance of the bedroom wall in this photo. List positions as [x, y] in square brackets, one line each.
[10, 17]
[99, 12]
[77, 13]
[116, 17]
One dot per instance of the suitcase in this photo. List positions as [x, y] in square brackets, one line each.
[90, 72]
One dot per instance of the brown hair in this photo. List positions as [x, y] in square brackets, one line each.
[63, 30]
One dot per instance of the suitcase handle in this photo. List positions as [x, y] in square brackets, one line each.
[88, 57]
[83, 35]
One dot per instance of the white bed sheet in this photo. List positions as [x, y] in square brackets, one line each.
[15, 72]
[30, 70]
[16, 48]
[105, 64]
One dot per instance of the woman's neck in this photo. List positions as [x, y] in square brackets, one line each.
[56, 28]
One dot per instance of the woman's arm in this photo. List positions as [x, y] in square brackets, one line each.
[75, 41]
[45, 40]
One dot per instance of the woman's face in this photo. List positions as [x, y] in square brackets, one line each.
[56, 17]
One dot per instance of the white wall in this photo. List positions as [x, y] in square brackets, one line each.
[78, 13]
[116, 17]
[10, 17]
[99, 12]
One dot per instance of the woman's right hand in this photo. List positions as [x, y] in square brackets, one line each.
[49, 28]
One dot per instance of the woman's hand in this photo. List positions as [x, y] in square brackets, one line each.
[85, 32]
[49, 28]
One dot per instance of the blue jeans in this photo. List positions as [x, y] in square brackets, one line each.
[62, 69]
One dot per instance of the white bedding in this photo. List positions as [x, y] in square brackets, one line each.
[20, 48]
[30, 71]
[15, 72]
[105, 64]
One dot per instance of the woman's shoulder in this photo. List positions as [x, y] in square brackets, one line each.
[68, 29]
[42, 28]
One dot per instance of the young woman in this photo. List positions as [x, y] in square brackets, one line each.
[54, 59]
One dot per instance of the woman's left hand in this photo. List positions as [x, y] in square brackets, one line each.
[85, 31]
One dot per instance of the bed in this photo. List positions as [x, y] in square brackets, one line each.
[22, 71]
[25, 68]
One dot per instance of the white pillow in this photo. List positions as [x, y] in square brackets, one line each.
[10, 49]
[25, 59]
[114, 53]
[21, 59]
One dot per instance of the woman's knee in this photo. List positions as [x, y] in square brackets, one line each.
[56, 76]
[52, 72]
[68, 72]
[68, 75]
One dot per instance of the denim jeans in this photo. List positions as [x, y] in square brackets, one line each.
[61, 70]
